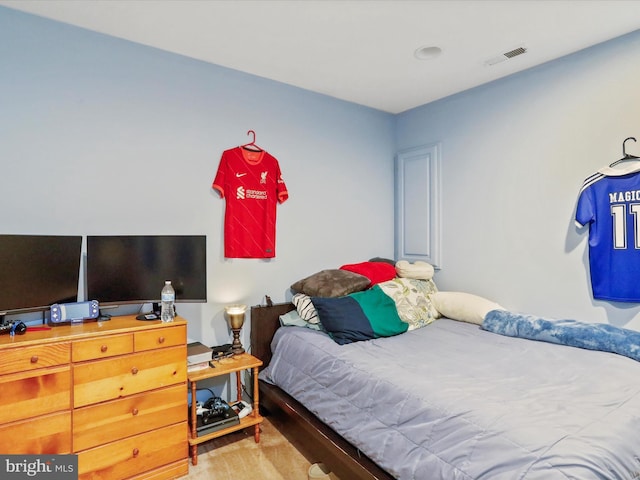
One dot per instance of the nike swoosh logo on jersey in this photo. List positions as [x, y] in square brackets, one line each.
[240, 175]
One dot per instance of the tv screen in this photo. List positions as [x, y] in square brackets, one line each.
[37, 271]
[133, 268]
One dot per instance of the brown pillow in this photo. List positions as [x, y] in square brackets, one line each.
[331, 283]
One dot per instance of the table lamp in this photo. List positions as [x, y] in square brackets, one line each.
[235, 316]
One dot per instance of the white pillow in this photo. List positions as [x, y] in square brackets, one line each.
[462, 306]
[419, 270]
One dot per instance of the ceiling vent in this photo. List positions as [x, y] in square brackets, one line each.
[506, 56]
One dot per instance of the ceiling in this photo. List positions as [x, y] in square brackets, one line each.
[361, 51]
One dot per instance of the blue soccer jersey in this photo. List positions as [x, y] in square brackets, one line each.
[611, 206]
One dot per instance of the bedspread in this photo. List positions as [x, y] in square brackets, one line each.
[451, 401]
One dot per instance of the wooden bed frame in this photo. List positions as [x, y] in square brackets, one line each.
[317, 441]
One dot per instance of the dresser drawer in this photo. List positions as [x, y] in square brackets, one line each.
[110, 421]
[102, 347]
[34, 393]
[45, 434]
[22, 359]
[118, 377]
[160, 338]
[134, 455]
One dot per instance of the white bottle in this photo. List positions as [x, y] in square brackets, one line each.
[168, 297]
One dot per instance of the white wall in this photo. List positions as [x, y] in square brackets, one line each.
[515, 153]
[103, 136]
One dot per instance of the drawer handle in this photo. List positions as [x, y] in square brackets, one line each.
[34, 359]
[104, 348]
[160, 340]
[134, 412]
[134, 370]
[136, 452]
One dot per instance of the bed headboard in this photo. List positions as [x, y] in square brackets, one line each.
[264, 323]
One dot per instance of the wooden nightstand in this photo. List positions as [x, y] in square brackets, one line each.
[235, 364]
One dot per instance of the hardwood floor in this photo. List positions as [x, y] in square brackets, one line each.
[237, 457]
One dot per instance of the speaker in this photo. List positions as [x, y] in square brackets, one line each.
[74, 312]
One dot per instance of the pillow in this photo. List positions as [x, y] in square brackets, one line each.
[413, 300]
[384, 260]
[359, 316]
[418, 270]
[376, 272]
[305, 308]
[331, 283]
[463, 307]
[292, 319]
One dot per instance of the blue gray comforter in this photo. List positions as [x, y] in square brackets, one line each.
[451, 401]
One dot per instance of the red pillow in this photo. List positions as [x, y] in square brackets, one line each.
[376, 272]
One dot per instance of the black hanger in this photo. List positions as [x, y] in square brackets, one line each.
[625, 155]
[252, 145]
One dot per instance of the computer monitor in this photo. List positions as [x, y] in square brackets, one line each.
[37, 271]
[125, 269]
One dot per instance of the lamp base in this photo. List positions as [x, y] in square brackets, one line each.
[236, 346]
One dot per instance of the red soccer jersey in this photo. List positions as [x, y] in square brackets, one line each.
[252, 185]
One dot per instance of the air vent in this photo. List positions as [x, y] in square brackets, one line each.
[505, 56]
[515, 52]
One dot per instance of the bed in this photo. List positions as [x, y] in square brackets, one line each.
[318, 441]
[450, 401]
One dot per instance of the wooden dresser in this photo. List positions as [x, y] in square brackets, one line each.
[112, 392]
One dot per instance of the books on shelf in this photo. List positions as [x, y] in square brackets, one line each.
[194, 367]
[198, 356]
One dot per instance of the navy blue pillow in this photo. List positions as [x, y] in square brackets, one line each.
[343, 319]
[359, 316]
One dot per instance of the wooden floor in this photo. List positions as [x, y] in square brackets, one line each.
[237, 457]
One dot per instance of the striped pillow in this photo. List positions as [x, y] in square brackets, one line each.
[305, 308]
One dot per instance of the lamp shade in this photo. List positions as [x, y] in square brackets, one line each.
[236, 315]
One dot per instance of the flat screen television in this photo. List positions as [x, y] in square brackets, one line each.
[37, 271]
[125, 269]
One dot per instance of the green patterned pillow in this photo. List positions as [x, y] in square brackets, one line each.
[413, 300]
